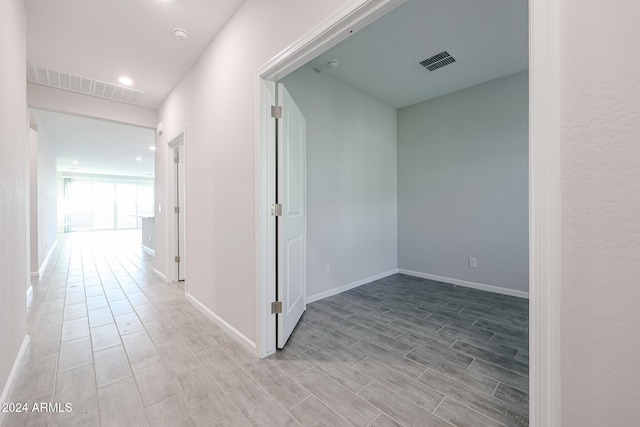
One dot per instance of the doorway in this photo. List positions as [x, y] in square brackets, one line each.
[544, 197]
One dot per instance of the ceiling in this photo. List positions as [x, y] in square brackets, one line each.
[106, 39]
[488, 39]
[99, 147]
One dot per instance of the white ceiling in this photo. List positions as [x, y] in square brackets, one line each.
[488, 38]
[104, 39]
[99, 147]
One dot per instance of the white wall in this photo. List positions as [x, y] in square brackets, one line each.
[33, 202]
[43, 198]
[600, 107]
[14, 190]
[463, 184]
[351, 181]
[216, 102]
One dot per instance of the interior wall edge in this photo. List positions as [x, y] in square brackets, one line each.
[230, 330]
[352, 285]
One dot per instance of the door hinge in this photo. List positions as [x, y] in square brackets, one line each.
[176, 209]
[276, 307]
[276, 209]
[177, 258]
[276, 112]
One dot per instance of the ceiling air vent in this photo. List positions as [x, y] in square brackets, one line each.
[85, 85]
[438, 61]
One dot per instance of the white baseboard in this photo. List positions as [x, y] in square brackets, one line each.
[351, 285]
[160, 275]
[148, 250]
[46, 259]
[15, 370]
[233, 332]
[458, 282]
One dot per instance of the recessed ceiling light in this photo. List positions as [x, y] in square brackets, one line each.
[138, 159]
[75, 162]
[125, 81]
[180, 34]
[152, 147]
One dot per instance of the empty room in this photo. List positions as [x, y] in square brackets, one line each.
[417, 213]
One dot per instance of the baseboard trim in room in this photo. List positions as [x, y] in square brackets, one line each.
[343, 288]
[15, 370]
[466, 284]
[46, 260]
[160, 275]
[233, 332]
[148, 250]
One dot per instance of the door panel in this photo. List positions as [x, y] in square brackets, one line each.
[292, 223]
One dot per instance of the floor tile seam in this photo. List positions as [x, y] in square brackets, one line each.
[327, 404]
[444, 374]
[476, 344]
[514, 408]
[266, 393]
[498, 366]
[404, 399]
[502, 400]
[500, 324]
[492, 363]
[402, 374]
[474, 410]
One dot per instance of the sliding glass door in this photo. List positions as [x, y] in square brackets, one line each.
[104, 205]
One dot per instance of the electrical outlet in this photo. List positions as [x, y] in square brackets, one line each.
[473, 263]
[327, 269]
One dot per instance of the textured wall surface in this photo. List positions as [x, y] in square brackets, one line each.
[216, 103]
[351, 181]
[600, 107]
[463, 185]
[14, 191]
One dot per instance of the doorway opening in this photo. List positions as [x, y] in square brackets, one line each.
[89, 175]
[543, 183]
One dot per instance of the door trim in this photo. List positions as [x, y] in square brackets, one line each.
[544, 186]
[179, 139]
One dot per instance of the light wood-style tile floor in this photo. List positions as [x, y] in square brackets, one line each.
[126, 349]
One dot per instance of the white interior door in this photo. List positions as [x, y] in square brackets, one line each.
[291, 188]
[180, 211]
[177, 147]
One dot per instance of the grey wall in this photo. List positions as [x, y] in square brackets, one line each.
[463, 184]
[14, 167]
[351, 182]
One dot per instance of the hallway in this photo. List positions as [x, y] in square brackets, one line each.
[126, 349]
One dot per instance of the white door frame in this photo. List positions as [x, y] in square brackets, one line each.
[179, 139]
[544, 186]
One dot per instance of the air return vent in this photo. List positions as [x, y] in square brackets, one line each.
[438, 61]
[85, 85]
